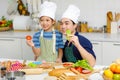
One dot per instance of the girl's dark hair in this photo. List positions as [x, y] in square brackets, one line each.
[49, 17]
[73, 22]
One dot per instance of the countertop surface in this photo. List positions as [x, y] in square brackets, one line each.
[90, 36]
[94, 76]
[15, 34]
[45, 74]
[102, 36]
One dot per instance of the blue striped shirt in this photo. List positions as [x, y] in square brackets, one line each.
[48, 35]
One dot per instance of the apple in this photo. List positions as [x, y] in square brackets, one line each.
[116, 76]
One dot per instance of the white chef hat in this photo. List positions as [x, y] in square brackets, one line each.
[48, 9]
[72, 13]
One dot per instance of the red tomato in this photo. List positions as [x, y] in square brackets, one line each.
[79, 69]
[67, 64]
[0, 22]
[28, 37]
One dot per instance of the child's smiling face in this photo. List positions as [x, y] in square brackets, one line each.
[46, 23]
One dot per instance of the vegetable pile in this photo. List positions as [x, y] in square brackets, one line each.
[81, 66]
[5, 23]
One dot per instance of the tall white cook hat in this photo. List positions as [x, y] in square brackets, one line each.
[72, 13]
[48, 9]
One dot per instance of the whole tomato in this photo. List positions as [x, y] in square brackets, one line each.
[28, 37]
[0, 22]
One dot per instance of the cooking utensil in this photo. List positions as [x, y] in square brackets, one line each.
[32, 71]
[15, 75]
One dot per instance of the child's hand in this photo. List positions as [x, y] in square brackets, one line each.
[29, 41]
[58, 61]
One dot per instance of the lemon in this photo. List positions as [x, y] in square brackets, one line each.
[108, 73]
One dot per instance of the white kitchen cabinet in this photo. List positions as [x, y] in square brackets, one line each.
[10, 48]
[97, 47]
[27, 52]
[111, 51]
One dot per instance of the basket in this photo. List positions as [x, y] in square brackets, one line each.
[105, 78]
[5, 28]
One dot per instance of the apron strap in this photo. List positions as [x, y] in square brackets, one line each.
[54, 39]
[41, 35]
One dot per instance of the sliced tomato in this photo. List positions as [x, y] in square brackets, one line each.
[28, 37]
[79, 69]
[86, 71]
[67, 64]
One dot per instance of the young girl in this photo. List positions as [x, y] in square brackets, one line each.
[77, 47]
[47, 43]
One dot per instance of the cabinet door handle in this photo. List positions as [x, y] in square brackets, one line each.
[95, 43]
[116, 44]
[6, 39]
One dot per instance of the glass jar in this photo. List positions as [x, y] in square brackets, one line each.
[2, 73]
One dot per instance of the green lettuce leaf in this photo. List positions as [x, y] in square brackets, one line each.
[83, 63]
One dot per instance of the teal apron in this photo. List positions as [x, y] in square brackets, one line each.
[47, 48]
[69, 55]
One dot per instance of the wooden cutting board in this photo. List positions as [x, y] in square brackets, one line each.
[33, 71]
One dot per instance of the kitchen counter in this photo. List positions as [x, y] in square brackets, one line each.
[43, 75]
[36, 77]
[102, 36]
[90, 36]
[15, 34]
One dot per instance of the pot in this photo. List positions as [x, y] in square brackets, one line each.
[15, 75]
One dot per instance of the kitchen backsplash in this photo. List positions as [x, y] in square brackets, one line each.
[93, 12]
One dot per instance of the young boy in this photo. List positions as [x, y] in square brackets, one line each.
[76, 47]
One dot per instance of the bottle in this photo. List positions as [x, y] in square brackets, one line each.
[104, 29]
[86, 26]
[118, 23]
[3, 72]
[78, 27]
